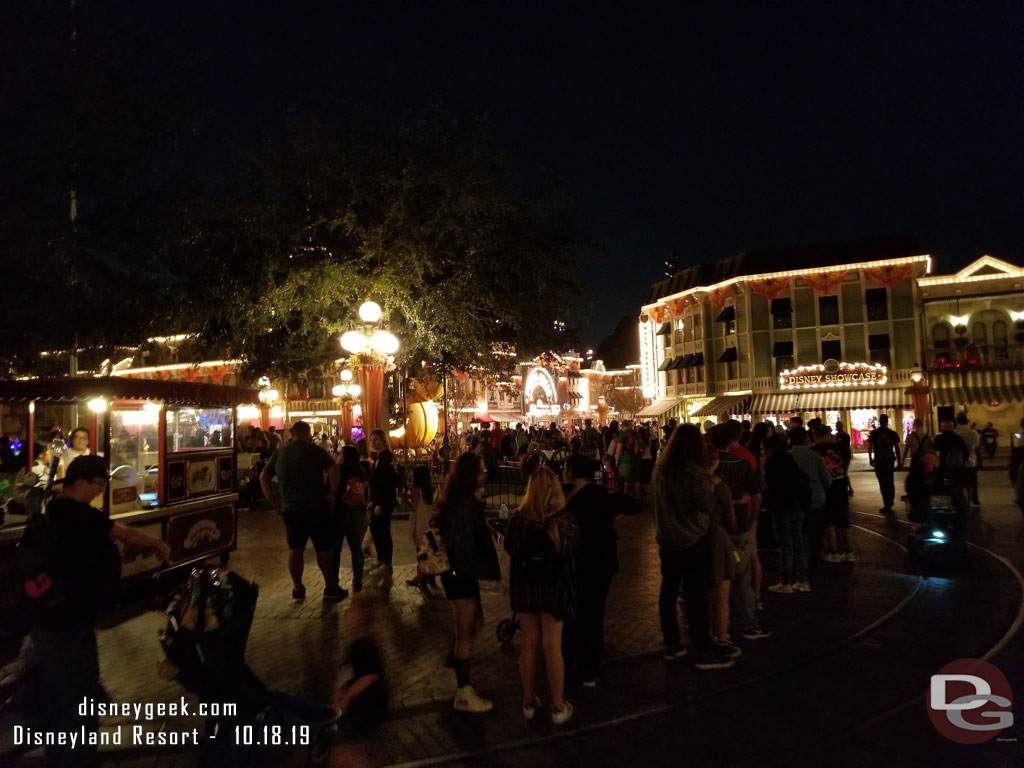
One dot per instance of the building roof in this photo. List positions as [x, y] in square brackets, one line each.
[794, 257]
[86, 388]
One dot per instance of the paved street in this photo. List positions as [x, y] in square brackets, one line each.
[841, 681]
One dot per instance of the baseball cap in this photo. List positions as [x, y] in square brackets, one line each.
[86, 468]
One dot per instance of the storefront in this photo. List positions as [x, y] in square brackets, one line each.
[169, 445]
[855, 394]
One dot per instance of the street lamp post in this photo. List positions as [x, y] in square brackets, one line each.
[918, 392]
[372, 348]
[347, 393]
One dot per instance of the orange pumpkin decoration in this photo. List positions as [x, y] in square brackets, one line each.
[421, 423]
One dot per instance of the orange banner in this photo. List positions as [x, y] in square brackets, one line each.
[890, 275]
[770, 287]
[824, 282]
[718, 296]
[657, 313]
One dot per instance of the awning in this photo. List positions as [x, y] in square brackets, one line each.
[84, 388]
[728, 356]
[725, 404]
[659, 407]
[681, 362]
[505, 417]
[665, 328]
[666, 364]
[830, 400]
[728, 314]
[698, 359]
[963, 387]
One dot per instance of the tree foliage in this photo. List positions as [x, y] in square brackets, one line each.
[421, 216]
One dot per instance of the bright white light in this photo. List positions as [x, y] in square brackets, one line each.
[938, 535]
[151, 407]
[961, 320]
[384, 342]
[271, 394]
[346, 375]
[276, 412]
[248, 412]
[99, 405]
[355, 390]
[339, 390]
[369, 312]
[353, 341]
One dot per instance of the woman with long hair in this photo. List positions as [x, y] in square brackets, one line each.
[541, 539]
[683, 501]
[471, 555]
[350, 510]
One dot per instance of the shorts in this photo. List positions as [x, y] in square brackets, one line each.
[720, 558]
[313, 522]
[460, 587]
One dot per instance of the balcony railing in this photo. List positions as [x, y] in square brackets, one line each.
[976, 356]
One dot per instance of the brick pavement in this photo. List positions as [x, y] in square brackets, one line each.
[299, 649]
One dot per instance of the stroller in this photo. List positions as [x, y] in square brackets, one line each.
[507, 628]
[204, 641]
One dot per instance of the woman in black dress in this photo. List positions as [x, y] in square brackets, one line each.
[542, 539]
[383, 500]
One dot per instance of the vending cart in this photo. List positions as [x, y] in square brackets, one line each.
[169, 445]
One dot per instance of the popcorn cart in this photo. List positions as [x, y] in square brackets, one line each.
[170, 447]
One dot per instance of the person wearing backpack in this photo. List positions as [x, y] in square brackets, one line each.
[883, 451]
[82, 580]
[541, 540]
[952, 454]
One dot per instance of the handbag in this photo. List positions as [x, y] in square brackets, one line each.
[431, 555]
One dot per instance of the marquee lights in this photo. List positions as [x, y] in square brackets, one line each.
[835, 376]
[968, 275]
[797, 273]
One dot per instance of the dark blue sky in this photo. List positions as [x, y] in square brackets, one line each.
[704, 128]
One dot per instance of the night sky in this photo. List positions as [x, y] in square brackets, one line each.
[703, 128]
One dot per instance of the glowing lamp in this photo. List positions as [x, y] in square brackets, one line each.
[355, 390]
[353, 341]
[339, 390]
[384, 342]
[98, 405]
[346, 375]
[369, 312]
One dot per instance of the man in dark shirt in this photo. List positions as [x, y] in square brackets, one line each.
[883, 451]
[953, 453]
[306, 505]
[64, 635]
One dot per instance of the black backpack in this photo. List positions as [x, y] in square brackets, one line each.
[536, 563]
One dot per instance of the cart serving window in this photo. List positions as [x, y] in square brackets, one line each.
[169, 447]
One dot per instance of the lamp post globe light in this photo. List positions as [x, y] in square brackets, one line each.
[371, 348]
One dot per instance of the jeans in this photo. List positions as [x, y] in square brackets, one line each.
[380, 529]
[743, 613]
[351, 528]
[689, 570]
[68, 671]
[789, 531]
[885, 471]
[814, 531]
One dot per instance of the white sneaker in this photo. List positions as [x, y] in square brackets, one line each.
[849, 557]
[530, 709]
[467, 700]
[563, 715]
[801, 586]
[832, 557]
[782, 589]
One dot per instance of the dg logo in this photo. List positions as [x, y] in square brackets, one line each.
[970, 701]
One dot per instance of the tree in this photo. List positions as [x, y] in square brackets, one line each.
[622, 346]
[626, 401]
[422, 216]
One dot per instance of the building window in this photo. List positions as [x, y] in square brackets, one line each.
[732, 369]
[783, 354]
[940, 336]
[828, 310]
[877, 301]
[782, 313]
[979, 334]
[728, 318]
[999, 333]
[879, 345]
[831, 350]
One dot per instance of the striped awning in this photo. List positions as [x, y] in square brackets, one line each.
[659, 407]
[988, 386]
[725, 404]
[830, 400]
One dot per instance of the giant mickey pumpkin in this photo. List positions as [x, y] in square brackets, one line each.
[421, 415]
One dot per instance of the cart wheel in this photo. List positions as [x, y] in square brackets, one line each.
[506, 631]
